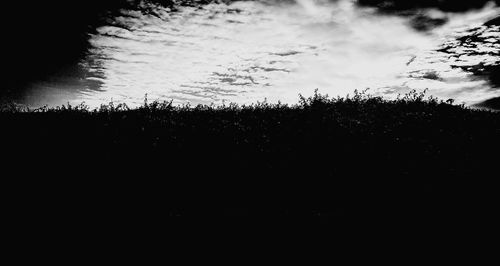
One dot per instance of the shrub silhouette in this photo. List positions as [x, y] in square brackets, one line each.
[363, 155]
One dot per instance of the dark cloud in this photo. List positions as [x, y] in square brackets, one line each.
[493, 103]
[42, 37]
[422, 22]
[419, 20]
[445, 5]
[493, 22]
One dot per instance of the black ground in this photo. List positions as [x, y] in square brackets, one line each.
[357, 157]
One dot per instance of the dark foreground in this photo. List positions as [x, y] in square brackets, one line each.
[355, 157]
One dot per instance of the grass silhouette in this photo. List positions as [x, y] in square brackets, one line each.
[353, 156]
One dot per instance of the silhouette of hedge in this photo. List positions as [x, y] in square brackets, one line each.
[357, 156]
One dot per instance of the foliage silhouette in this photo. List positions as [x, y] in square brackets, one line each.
[354, 156]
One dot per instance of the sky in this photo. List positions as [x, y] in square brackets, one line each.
[249, 51]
